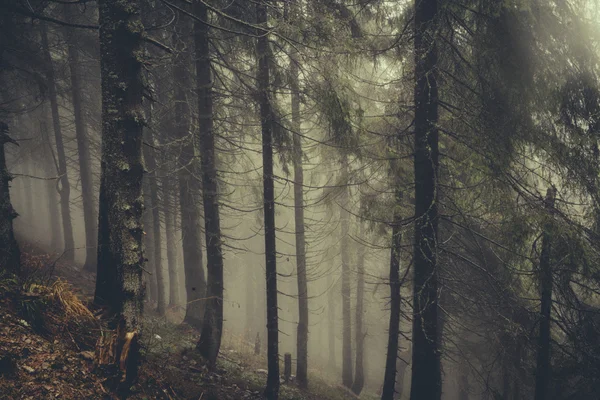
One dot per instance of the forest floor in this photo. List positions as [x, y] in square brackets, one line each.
[47, 339]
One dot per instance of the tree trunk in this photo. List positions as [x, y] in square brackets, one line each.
[9, 249]
[83, 151]
[542, 371]
[50, 185]
[266, 118]
[212, 326]
[168, 202]
[120, 256]
[359, 375]
[189, 187]
[389, 378]
[331, 331]
[65, 188]
[302, 335]
[346, 319]
[426, 382]
[155, 203]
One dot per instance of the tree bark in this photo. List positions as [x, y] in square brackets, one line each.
[266, 117]
[168, 200]
[346, 318]
[9, 249]
[153, 210]
[65, 187]
[50, 185]
[359, 374]
[426, 382]
[120, 255]
[542, 371]
[189, 187]
[389, 379]
[212, 326]
[302, 335]
[331, 331]
[83, 151]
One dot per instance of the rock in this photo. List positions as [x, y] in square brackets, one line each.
[262, 371]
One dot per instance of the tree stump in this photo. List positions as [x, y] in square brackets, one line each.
[117, 357]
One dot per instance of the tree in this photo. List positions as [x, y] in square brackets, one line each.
[359, 334]
[345, 287]
[83, 151]
[426, 381]
[389, 380]
[266, 120]
[64, 189]
[212, 325]
[302, 336]
[542, 372]
[9, 249]
[120, 256]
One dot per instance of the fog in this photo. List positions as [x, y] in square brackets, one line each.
[454, 144]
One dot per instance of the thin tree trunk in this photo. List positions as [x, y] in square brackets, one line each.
[65, 188]
[9, 249]
[168, 203]
[331, 331]
[426, 381]
[542, 371]
[150, 277]
[389, 379]
[50, 185]
[212, 327]
[302, 334]
[189, 187]
[266, 116]
[346, 318]
[83, 151]
[359, 374]
[155, 206]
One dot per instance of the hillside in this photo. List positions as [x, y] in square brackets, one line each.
[48, 334]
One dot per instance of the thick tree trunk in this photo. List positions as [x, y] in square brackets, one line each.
[302, 335]
[120, 256]
[65, 188]
[212, 327]
[266, 117]
[346, 318]
[83, 151]
[542, 371]
[9, 249]
[389, 379]
[426, 381]
[359, 374]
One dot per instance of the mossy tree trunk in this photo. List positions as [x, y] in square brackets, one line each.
[120, 255]
[9, 249]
